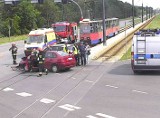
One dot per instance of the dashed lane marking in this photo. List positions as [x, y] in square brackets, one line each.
[69, 107]
[139, 91]
[24, 94]
[47, 101]
[111, 86]
[8, 89]
[89, 81]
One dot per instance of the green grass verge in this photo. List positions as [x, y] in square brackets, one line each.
[12, 39]
[155, 24]
[127, 55]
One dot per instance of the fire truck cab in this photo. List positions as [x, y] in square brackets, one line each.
[66, 31]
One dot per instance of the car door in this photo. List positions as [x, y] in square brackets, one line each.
[50, 59]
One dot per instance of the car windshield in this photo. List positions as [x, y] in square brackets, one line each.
[59, 28]
[70, 47]
[85, 28]
[35, 39]
[62, 53]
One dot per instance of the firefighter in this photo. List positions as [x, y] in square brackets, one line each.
[40, 62]
[14, 50]
[33, 59]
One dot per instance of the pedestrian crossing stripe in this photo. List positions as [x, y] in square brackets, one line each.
[69, 107]
[24, 94]
[45, 100]
[8, 89]
[101, 115]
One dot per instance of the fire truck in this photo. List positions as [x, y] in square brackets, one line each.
[66, 31]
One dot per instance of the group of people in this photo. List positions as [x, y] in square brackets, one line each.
[36, 58]
[81, 53]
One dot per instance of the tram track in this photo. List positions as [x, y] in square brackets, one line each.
[79, 71]
[113, 51]
[109, 54]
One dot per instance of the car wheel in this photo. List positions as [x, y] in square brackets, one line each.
[54, 68]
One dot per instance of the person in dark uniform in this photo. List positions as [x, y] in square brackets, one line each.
[40, 62]
[33, 59]
[14, 50]
[82, 49]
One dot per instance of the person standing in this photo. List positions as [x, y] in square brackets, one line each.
[40, 62]
[76, 53]
[14, 50]
[82, 49]
[33, 59]
[88, 51]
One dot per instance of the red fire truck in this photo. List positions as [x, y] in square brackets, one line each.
[66, 31]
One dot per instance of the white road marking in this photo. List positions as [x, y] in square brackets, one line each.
[57, 73]
[24, 94]
[111, 86]
[91, 116]
[46, 101]
[69, 107]
[73, 78]
[139, 91]
[89, 81]
[8, 89]
[104, 115]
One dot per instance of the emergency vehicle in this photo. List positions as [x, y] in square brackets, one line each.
[66, 31]
[146, 50]
[39, 38]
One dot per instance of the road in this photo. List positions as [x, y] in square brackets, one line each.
[98, 90]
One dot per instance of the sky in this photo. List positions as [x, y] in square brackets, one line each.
[150, 3]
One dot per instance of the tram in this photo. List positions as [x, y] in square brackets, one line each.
[91, 31]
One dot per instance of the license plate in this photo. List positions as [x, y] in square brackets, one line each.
[70, 58]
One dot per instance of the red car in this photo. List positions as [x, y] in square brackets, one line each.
[58, 60]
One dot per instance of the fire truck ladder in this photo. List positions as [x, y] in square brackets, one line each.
[141, 49]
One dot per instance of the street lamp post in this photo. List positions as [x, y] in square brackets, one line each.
[104, 25]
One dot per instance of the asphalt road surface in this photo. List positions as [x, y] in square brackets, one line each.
[97, 90]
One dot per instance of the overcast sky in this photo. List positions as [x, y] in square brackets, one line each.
[151, 3]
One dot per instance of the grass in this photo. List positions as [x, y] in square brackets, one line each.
[12, 39]
[127, 55]
[155, 24]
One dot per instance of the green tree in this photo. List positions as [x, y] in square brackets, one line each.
[50, 12]
[28, 16]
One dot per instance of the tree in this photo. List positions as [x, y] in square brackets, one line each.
[50, 12]
[28, 16]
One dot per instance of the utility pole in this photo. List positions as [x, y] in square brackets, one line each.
[146, 12]
[133, 12]
[104, 24]
[142, 11]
